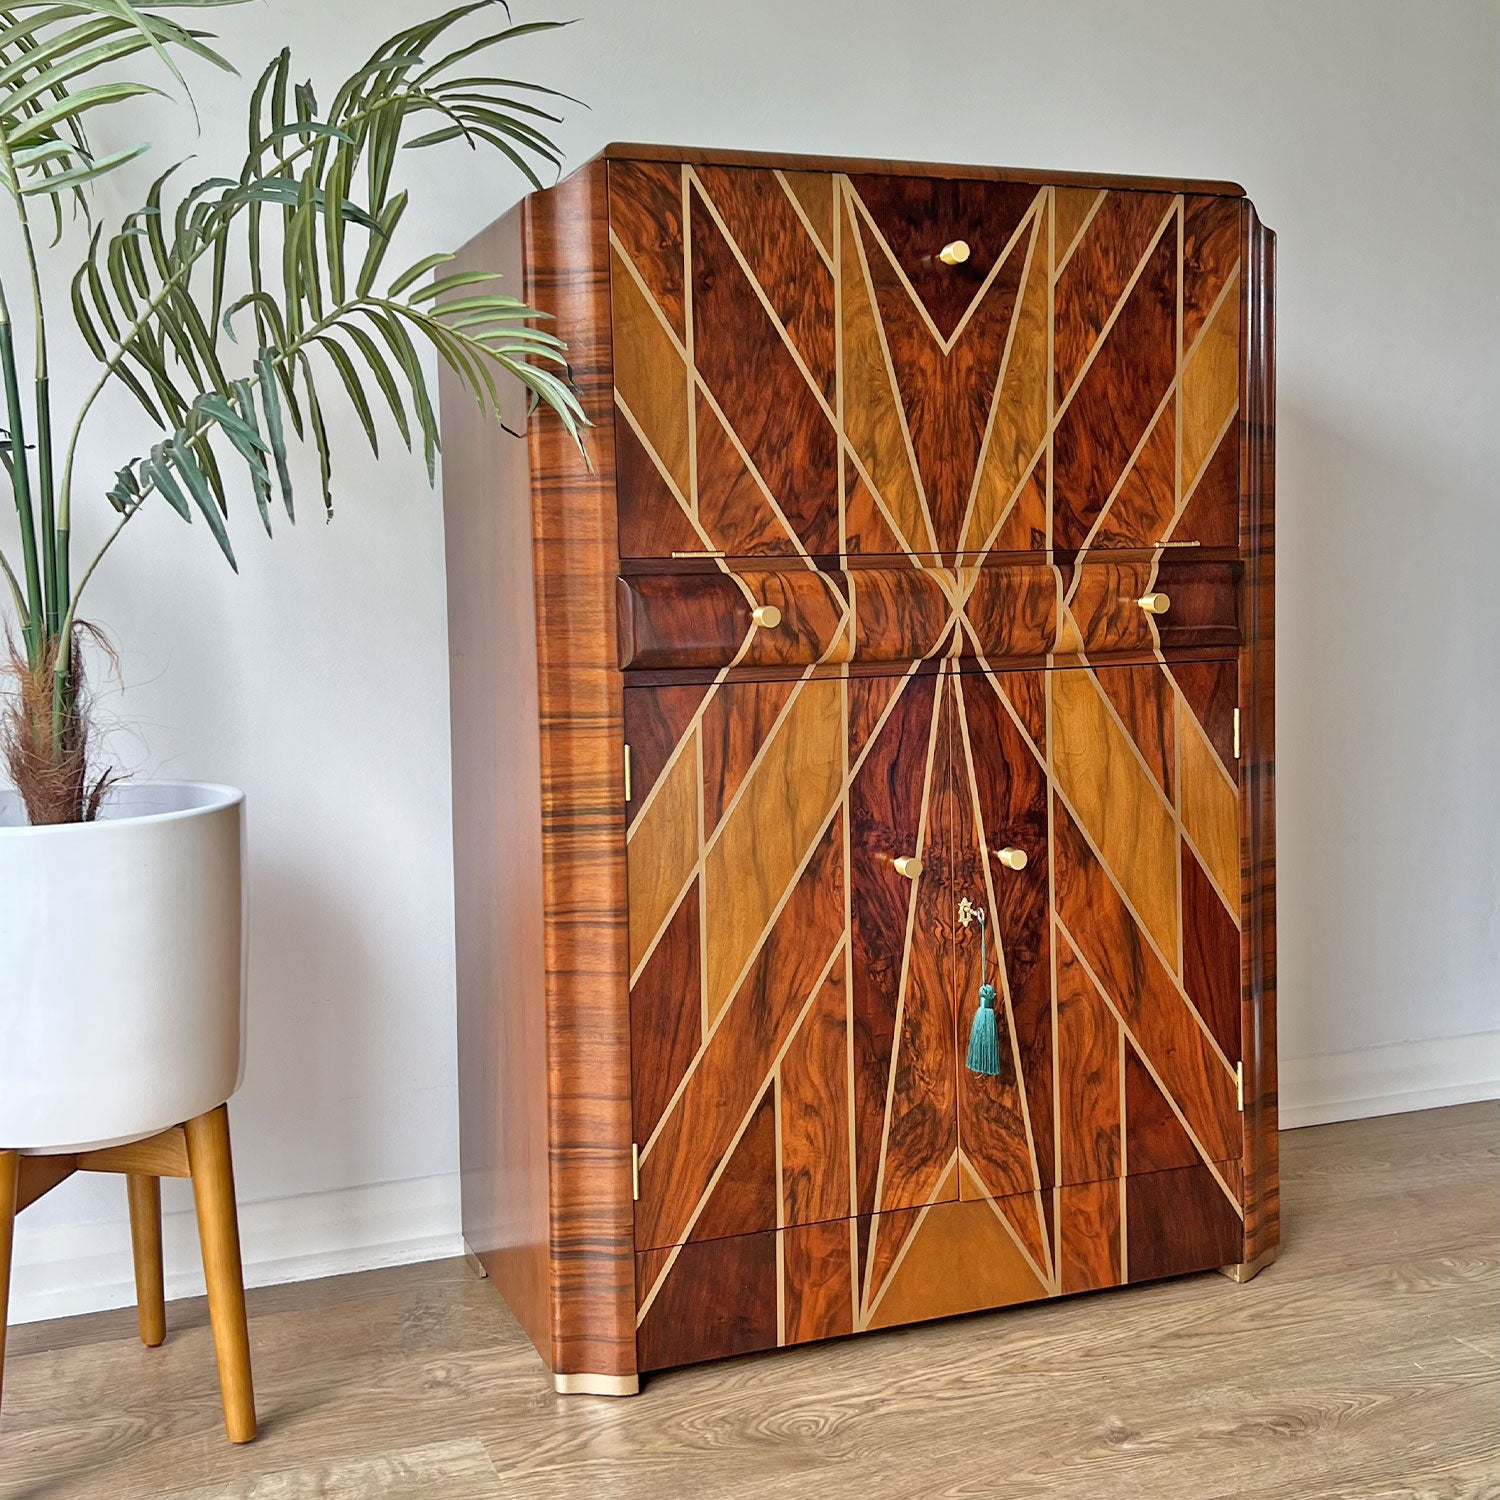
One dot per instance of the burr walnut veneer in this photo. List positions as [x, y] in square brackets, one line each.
[923, 554]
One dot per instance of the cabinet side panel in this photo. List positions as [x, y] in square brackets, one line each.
[497, 830]
[1258, 733]
[576, 560]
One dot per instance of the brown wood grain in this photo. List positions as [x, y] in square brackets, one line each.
[1089, 1235]
[817, 1280]
[1257, 767]
[1112, 406]
[900, 995]
[1004, 1122]
[1088, 1082]
[1176, 1222]
[740, 356]
[645, 213]
[783, 258]
[497, 832]
[718, 1299]
[1110, 247]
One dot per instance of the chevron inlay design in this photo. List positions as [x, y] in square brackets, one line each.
[804, 388]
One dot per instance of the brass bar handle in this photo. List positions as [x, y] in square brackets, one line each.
[1154, 604]
[954, 253]
[1011, 857]
[908, 865]
[767, 616]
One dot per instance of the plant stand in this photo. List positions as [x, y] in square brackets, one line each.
[198, 1150]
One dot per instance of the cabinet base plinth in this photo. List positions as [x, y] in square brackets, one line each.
[475, 1264]
[1248, 1270]
[596, 1385]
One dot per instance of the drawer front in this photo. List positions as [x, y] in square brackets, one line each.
[722, 1297]
[1008, 609]
[824, 365]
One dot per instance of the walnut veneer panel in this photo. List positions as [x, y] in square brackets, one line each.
[497, 836]
[541, 866]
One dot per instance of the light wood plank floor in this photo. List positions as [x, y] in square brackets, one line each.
[1365, 1364]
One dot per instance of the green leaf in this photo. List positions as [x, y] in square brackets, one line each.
[271, 404]
[260, 480]
[416, 272]
[77, 176]
[158, 470]
[340, 360]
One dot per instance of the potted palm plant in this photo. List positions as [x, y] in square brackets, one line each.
[233, 310]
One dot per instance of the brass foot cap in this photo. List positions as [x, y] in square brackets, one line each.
[596, 1385]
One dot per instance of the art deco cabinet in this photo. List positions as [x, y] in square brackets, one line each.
[921, 563]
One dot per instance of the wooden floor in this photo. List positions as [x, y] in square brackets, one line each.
[1366, 1363]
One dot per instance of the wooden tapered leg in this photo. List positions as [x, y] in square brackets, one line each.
[219, 1234]
[145, 1241]
[10, 1187]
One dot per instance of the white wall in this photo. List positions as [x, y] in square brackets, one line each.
[1368, 134]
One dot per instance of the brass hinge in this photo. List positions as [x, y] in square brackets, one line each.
[704, 552]
[1236, 734]
[628, 793]
[1239, 1086]
[635, 1173]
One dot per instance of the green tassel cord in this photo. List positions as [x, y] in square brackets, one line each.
[984, 1035]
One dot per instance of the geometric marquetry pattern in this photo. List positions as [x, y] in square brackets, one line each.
[799, 382]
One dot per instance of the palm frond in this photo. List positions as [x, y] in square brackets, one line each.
[314, 211]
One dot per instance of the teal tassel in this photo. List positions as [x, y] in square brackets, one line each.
[984, 1040]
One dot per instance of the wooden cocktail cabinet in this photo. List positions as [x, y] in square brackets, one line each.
[908, 629]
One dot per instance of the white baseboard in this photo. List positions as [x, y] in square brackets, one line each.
[1389, 1080]
[72, 1268]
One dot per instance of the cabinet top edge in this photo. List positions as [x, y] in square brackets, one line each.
[879, 166]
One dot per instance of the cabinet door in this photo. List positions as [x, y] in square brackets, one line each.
[791, 1019]
[1120, 1005]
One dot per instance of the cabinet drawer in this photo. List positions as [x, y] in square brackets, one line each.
[1009, 609]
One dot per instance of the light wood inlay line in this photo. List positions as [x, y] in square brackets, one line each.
[914, 1229]
[911, 918]
[1145, 1061]
[1077, 239]
[765, 301]
[807, 223]
[989, 423]
[993, 906]
[1172, 396]
[919, 489]
[1119, 307]
[833, 812]
[687, 1229]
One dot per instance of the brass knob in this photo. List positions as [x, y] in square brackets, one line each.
[1154, 604]
[954, 253]
[767, 616]
[908, 865]
[1011, 857]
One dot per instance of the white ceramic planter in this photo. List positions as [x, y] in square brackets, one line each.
[121, 966]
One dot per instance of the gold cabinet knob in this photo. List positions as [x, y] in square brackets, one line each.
[1154, 604]
[908, 865]
[767, 616]
[954, 253]
[1011, 857]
